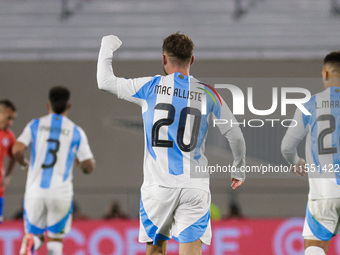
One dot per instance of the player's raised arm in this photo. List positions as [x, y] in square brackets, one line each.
[105, 77]
[107, 80]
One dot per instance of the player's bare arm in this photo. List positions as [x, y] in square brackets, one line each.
[9, 169]
[18, 152]
[88, 165]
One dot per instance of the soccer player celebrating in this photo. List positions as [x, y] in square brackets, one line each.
[176, 110]
[7, 140]
[56, 143]
[323, 158]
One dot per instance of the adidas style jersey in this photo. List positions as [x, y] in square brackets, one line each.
[176, 110]
[55, 142]
[322, 148]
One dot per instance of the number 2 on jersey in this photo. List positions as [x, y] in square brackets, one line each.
[326, 131]
[156, 142]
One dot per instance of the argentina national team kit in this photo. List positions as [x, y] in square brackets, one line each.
[322, 131]
[175, 132]
[176, 112]
[55, 143]
[175, 129]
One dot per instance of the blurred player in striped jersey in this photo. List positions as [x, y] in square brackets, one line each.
[56, 143]
[7, 140]
[322, 129]
[176, 111]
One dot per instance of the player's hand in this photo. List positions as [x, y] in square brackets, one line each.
[5, 181]
[88, 165]
[235, 183]
[25, 166]
[300, 168]
[112, 42]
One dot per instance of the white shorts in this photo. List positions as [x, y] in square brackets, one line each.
[183, 214]
[322, 219]
[53, 215]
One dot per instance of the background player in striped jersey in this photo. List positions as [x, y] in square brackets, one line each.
[176, 111]
[7, 140]
[56, 143]
[322, 129]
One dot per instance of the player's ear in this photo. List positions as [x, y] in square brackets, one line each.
[49, 107]
[327, 75]
[192, 59]
[68, 107]
[164, 59]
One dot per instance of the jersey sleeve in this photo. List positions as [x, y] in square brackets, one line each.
[223, 118]
[130, 89]
[293, 136]
[229, 127]
[84, 151]
[107, 81]
[26, 135]
[238, 149]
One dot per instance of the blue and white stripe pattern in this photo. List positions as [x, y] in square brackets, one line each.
[56, 228]
[173, 102]
[55, 142]
[323, 143]
[317, 228]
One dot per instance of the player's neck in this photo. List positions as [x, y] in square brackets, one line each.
[334, 83]
[63, 113]
[184, 71]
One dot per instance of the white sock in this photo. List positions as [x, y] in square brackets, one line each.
[54, 248]
[37, 242]
[314, 250]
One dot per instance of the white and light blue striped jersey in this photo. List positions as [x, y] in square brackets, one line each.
[322, 148]
[176, 111]
[55, 142]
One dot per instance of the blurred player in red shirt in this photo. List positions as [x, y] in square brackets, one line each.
[7, 140]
